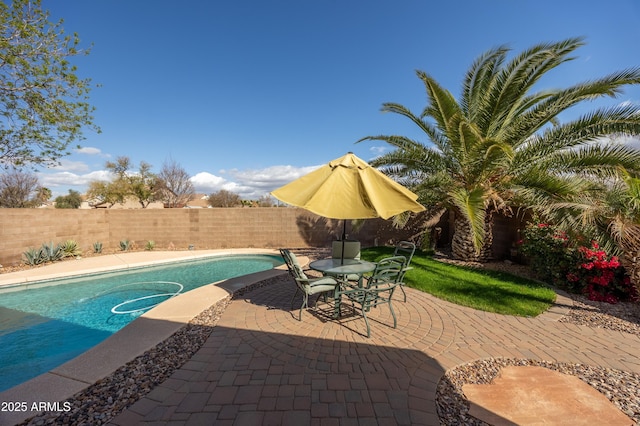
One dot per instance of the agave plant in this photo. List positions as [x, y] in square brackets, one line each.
[51, 252]
[125, 245]
[150, 245]
[32, 256]
[97, 247]
[70, 248]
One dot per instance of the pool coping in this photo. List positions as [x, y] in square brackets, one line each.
[137, 337]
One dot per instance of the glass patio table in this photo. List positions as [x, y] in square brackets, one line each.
[342, 266]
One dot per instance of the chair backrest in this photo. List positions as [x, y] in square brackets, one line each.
[406, 249]
[351, 249]
[293, 265]
[388, 270]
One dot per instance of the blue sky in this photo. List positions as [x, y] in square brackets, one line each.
[247, 95]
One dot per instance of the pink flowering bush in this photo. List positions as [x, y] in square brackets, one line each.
[564, 262]
[601, 277]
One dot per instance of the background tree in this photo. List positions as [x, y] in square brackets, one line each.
[174, 185]
[266, 201]
[141, 185]
[20, 189]
[43, 194]
[502, 145]
[115, 191]
[43, 103]
[120, 167]
[224, 198]
[102, 193]
[73, 200]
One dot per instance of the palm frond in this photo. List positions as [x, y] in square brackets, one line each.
[590, 128]
[400, 142]
[441, 104]
[513, 82]
[539, 188]
[405, 112]
[598, 160]
[478, 79]
[545, 111]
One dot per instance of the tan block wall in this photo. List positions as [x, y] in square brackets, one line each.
[202, 228]
[24, 228]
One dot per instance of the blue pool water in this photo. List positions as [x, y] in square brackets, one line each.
[41, 328]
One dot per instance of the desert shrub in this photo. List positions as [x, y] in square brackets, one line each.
[548, 251]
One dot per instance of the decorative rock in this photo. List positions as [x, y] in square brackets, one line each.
[453, 405]
[535, 395]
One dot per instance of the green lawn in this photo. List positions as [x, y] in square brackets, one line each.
[480, 289]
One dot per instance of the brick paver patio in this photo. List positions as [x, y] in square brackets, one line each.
[262, 366]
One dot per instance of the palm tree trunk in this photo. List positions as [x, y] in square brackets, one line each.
[462, 245]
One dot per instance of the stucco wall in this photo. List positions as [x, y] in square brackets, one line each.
[180, 228]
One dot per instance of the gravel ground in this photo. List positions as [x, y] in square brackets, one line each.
[138, 377]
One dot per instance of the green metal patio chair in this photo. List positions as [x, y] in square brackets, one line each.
[377, 289]
[406, 249]
[307, 286]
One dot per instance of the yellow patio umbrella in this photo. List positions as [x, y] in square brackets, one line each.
[349, 188]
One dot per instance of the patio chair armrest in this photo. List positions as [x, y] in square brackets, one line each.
[382, 286]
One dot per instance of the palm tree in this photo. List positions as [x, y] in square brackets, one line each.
[502, 143]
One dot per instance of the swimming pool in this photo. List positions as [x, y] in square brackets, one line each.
[43, 327]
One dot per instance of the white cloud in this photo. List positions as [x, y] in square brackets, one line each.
[378, 150]
[206, 183]
[72, 166]
[254, 184]
[54, 180]
[270, 178]
[630, 141]
[249, 184]
[89, 150]
[635, 144]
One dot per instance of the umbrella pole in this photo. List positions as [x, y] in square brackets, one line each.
[344, 237]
